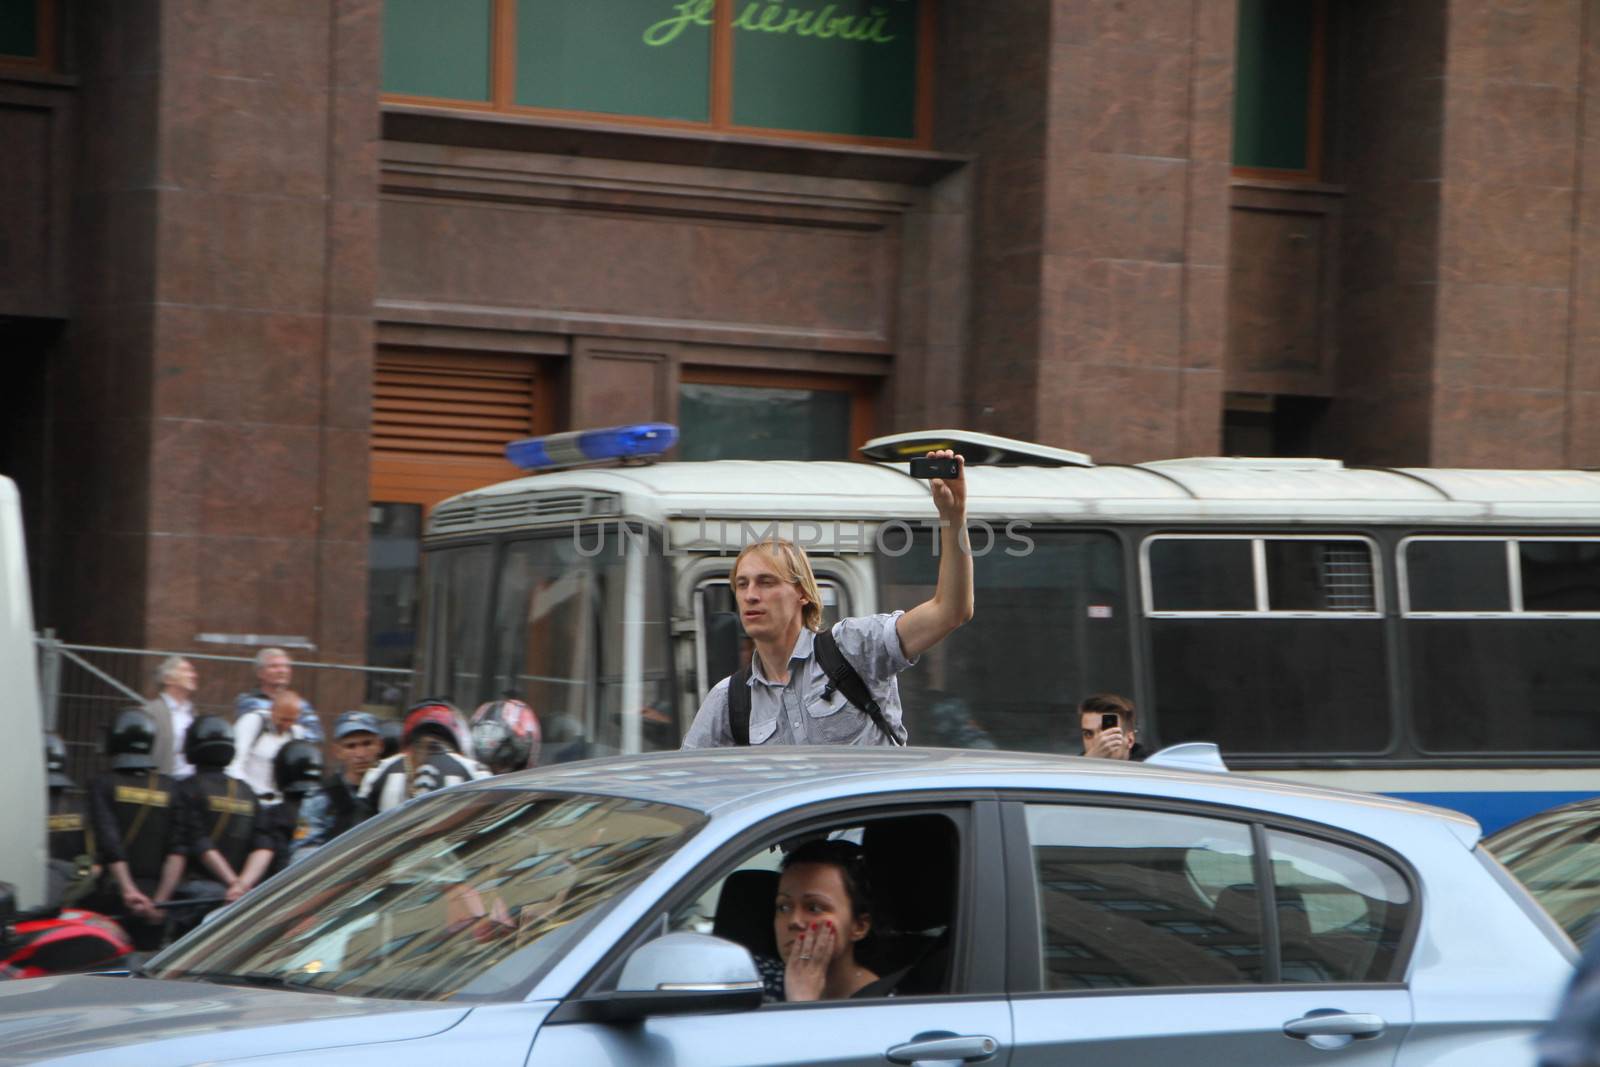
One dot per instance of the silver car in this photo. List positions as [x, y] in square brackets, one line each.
[1025, 910]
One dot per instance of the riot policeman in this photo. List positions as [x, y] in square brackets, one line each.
[297, 772]
[222, 812]
[141, 834]
[73, 871]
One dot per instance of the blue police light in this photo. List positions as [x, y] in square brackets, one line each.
[592, 446]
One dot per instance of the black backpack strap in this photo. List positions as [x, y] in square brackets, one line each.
[845, 679]
[739, 706]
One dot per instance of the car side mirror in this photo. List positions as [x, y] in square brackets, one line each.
[685, 973]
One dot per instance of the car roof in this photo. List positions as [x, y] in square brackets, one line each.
[726, 780]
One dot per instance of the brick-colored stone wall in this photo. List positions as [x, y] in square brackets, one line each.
[215, 395]
[1100, 274]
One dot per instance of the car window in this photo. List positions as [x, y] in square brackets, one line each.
[1556, 855]
[461, 895]
[1132, 898]
[1341, 913]
[910, 867]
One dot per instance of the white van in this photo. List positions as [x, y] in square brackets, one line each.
[22, 816]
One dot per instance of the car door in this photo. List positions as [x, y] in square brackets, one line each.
[1141, 938]
[967, 1019]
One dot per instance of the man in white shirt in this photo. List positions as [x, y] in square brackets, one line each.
[257, 736]
[173, 711]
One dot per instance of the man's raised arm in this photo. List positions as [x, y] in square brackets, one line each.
[933, 620]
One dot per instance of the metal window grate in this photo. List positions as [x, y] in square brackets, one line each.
[501, 512]
[1347, 578]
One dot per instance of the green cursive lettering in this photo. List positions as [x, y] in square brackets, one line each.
[689, 12]
[776, 16]
[746, 19]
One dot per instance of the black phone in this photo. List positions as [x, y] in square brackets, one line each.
[1110, 721]
[934, 467]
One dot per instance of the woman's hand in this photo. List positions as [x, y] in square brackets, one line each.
[807, 969]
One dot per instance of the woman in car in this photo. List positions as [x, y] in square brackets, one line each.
[822, 913]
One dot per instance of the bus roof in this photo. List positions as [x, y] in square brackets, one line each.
[1214, 490]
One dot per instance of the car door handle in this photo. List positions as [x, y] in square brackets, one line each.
[971, 1049]
[1335, 1024]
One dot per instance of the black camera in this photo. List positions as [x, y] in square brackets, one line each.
[935, 467]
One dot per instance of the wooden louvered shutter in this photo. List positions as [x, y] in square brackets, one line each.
[440, 422]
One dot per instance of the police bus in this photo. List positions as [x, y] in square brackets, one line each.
[22, 826]
[1433, 634]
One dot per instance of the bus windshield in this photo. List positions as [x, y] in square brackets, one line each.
[545, 617]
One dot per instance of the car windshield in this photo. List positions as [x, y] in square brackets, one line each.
[462, 895]
[1557, 857]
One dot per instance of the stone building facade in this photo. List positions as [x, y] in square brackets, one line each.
[262, 301]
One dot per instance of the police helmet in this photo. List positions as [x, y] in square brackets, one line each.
[132, 740]
[297, 768]
[209, 742]
[434, 717]
[505, 735]
[55, 762]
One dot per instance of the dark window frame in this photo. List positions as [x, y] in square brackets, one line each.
[1025, 973]
[862, 391]
[980, 921]
[46, 41]
[1513, 543]
[1262, 590]
[502, 85]
[1316, 94]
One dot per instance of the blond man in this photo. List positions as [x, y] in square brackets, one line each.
[792, 700]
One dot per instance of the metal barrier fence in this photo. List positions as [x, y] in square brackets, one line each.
[84, 686]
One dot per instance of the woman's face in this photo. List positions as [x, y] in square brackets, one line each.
[815, 893]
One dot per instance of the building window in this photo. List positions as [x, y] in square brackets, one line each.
[27, 33]
[745, 414]
[1278, 88]
[441, 421]
[842, 70]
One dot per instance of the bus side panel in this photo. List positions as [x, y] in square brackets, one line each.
[22, 818]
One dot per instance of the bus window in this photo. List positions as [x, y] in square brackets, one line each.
[457, 582]
[1560, 575]
[559, 638]
[1051, 627]
[1215, 574]
[1462, 575]
[1513, 669]
[1301, 669]
[724, 648]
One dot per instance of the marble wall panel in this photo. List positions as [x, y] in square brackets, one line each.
[261, 481]
[1139, 103]
[1200, 413]
[1502, 337]
[1505, 235]
[678, 269]
[1583, 429]
[1509, 133]
[1515, 40]
[1521, 428]
[1137, 208]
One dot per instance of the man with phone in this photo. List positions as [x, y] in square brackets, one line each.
[810, 686]
[1110, 728]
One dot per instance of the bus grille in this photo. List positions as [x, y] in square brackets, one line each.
[530, 509]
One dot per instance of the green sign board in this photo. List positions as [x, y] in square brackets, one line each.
[843, 67]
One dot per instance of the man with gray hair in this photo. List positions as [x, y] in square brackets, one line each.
[274, 668]
[173, 711]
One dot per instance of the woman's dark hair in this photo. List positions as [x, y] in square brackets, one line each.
[845, 855]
